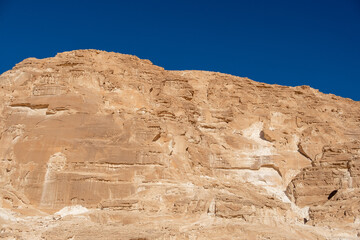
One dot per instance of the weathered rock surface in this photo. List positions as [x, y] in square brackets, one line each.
[98, 145]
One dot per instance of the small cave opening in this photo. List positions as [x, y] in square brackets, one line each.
[262, 135]
[332, 194]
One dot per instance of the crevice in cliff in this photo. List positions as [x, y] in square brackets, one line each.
[29, 105]
[302, 152]
[332, 194]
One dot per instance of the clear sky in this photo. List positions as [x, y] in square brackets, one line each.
[287, 42]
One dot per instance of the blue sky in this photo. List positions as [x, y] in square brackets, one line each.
[287, 42]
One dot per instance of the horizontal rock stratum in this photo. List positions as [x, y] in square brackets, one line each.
[98, 145]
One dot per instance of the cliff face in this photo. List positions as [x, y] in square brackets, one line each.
[127, 150]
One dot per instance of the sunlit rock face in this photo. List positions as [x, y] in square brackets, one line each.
[98, 145]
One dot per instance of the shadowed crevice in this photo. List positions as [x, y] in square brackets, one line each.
[332, 194]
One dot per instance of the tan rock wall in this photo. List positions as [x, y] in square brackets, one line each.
[174, 151]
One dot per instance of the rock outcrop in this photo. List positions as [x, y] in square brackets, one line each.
[98, 145]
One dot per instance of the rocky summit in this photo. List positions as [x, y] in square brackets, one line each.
[99, 145]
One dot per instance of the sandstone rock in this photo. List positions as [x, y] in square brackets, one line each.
[156, 154]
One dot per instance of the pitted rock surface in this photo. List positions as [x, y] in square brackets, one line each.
[99, 145]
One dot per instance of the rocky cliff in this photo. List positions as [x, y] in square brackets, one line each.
[98, 145]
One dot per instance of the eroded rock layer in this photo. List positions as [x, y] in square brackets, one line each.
[98, 145]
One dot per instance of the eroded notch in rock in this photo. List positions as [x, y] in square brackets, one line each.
[302, 152]
[332, 194]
